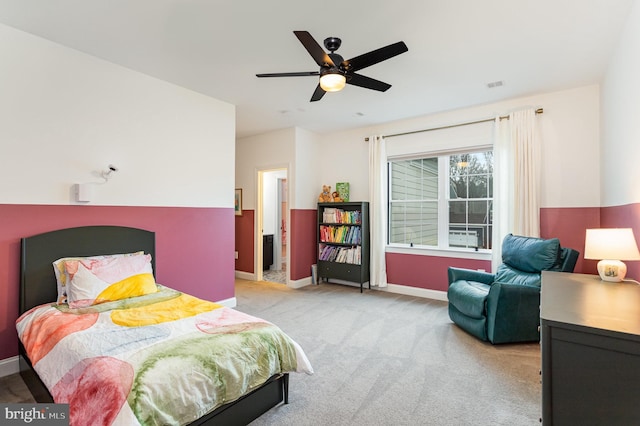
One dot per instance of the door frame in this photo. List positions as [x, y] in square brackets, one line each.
[277, 255]
[259, 219]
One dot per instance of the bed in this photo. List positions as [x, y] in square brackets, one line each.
[49, 372]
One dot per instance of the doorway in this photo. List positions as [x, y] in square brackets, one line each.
[274, 215]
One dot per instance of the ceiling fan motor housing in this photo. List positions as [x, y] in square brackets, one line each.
[332, 43]
[337, 61]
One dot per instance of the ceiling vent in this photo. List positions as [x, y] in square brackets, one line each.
[495, 84]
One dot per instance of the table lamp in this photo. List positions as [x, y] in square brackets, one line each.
[610, 246]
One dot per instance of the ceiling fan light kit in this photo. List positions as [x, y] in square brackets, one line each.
[335, 72]
[332, 81]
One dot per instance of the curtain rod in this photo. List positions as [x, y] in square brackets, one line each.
[502, 117]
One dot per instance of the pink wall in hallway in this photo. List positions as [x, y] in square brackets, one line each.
[245, 238]
[302, 235]
[194, 248]
[304, 242]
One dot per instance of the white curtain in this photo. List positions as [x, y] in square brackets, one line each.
[378, 210]
[516, 205]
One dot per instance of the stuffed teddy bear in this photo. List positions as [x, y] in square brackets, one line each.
[336, 197]
[325, 196]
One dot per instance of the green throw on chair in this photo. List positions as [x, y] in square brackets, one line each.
[505, 307]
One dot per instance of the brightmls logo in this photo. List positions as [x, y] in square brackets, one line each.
[34, 414]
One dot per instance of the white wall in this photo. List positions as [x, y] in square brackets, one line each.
[65, 116]
[621, 119]
[570, 134]
[311, 158]
[293, 148]
[275, 150]
[344, 157]
[570, 127]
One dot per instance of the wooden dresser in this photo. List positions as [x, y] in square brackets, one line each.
[590, 342]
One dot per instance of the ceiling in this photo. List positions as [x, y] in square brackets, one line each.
[456, 47]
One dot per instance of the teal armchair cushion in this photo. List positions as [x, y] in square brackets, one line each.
[457, 274]
[530, 254]
[511, 275]
[469, 297]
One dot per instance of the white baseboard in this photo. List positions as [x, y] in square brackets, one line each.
[414, 291]
[391, 288]
[231, 302]
[401, 289]
[245, 276]
[299, 283]
[9, 366]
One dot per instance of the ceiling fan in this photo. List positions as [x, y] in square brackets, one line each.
[334, 71]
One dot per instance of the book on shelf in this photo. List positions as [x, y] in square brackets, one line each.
[338, 254]
[340, 234]
[335, 215]
[328, 215]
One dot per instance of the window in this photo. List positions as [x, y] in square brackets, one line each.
[442, 201]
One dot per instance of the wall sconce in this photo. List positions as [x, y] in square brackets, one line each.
[83, 192]
[610, 246]
[106, 174]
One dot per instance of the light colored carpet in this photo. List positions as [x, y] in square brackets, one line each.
[384, 359]
[388, 359]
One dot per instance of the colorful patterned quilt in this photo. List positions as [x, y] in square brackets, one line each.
[162, 358]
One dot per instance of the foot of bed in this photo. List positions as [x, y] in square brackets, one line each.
[285, 387]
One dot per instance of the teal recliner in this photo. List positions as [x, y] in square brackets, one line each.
[505, 307]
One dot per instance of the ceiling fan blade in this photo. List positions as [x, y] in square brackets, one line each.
[315, 50]
[367, 82]
[318, 94]
[290, 74]
[375, 56]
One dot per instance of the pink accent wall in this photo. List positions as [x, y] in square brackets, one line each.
[570, 225]
[428, 272]
[304, 242]
[302, 234]
[567, 224]
[245, 238]
[194, 248]
[626, 216]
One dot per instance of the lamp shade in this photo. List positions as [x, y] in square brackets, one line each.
[610, 246]
[611, 243]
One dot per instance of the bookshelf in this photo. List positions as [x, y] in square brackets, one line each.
[343, 242]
